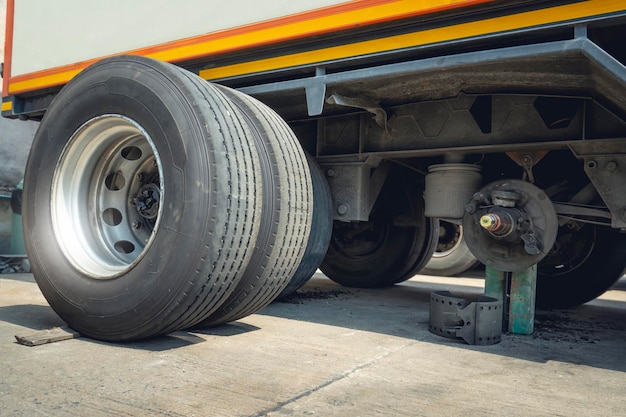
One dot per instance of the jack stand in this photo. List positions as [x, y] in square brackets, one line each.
[517, 291]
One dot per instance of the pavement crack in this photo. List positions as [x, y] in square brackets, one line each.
[330, 381]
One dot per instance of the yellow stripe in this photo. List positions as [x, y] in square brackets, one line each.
[447, 33]
[43, 81]
[7, 105]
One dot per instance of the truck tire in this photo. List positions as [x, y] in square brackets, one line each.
[321, 230]
[286, 217]
[140, 199]
[423, 247]
[582, 265]
[452, 256]
[392, 246]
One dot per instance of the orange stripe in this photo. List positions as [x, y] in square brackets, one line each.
[356, 5]
[187, 49]
[258, 26]
[8, 47]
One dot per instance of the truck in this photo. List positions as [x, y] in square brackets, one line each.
[196, 160]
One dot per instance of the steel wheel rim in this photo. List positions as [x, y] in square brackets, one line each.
[106, 197]
[449, 241]
[362, 245]
[571, 250]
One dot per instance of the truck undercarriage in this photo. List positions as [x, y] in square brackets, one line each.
[548, 113]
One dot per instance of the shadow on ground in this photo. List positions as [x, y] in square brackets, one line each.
[593, 334]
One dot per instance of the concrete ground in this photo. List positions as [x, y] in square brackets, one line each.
[328, 351]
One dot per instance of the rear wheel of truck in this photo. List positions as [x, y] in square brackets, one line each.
[140, 200]
[321, 230]
[452, 256]
[581, 266]
[286, 216]
[392, 246]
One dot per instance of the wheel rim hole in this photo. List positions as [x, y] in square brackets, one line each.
[124, 246]
[131, 153]
[115, 181]
[112, 216]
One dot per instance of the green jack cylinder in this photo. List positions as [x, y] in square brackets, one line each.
[522, 301]
[517, 291]
[495, 283]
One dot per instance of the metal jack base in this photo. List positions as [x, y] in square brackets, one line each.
[478, 322]
[516, 291]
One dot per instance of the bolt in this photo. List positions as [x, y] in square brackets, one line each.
[342, 209]
[331, 172]
[139, 177]
[527, 160]
[136, 224]
[478, 196]
[611, 166]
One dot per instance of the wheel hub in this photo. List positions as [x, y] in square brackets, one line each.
[148, 200]
[510, 225]
[106, 196]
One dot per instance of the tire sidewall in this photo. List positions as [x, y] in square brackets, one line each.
[602, 267]
[117, 88]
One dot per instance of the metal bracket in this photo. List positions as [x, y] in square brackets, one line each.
[315, 91]
[377, 112]
[607, 173]
[527, 160]
[355, 187]
[478, 322]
